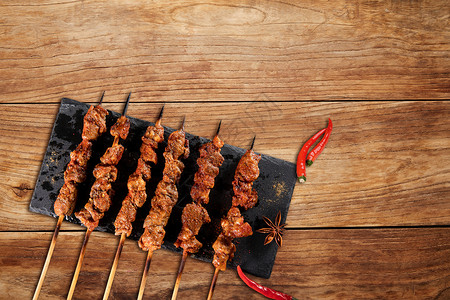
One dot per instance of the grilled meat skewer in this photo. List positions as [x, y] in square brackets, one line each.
[94, 124]
[137, 195]
[166, 196]
[233, 225]
[105, 173]
[101, 191]
[194, 214]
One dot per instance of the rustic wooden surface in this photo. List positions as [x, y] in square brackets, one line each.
[373, 219]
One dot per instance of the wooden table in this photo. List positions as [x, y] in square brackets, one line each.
[373, 219]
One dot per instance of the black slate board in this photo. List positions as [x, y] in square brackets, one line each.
[275, 186]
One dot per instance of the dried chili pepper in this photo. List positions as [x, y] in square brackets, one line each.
[320, 146]
[268, 292]
[301, 158]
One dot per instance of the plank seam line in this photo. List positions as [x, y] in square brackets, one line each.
[237, 101]
[371, 227]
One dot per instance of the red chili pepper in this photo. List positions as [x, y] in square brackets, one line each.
[269, 293]
[301, 158]
[320, 146]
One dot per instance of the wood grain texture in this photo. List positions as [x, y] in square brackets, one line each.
[386, 163]
[225, 51]
[330, 264]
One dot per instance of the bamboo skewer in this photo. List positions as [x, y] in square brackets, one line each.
[213, 284]
[89, 231]
[49, 257]
[253, 143]
[180, 271]
[144, 275]
[79, 263]
[114, 266]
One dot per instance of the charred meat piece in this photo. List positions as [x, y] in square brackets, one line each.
[85, 217]
[244, 195]
[144, 169]
[147, 154]
[126, 216]
[156, 216]
[223, 251]
[81, 155]
[112, 155]
[246, 173]
[247, 169]
[94, 123]
[107, 172]
[65, 203]
[234, 225]
[172, 169]
[152, 240]
[121, 128]
[193, 217]
[153, 135]
[200, 193]
[75, 173]
[100, 195]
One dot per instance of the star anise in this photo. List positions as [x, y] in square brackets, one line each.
[274, 231]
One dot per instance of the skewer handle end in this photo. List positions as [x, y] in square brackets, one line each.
[213, 284]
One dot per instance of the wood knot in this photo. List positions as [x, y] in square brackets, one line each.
[21, 190]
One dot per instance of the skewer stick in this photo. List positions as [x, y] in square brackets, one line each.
[114, 266]
[180, 271]
[116, 140]
[182, 124]
[213, 284]
[218, 128]
[49, 257]
[80, 262]
[144, 275]
[158, 122]
[126, 105]
[253, 143]
[101, 98]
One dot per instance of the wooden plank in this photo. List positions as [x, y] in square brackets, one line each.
[197, 51]
[386, 163]
[328, 264]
